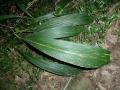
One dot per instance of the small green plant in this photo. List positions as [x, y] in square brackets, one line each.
[52, 52]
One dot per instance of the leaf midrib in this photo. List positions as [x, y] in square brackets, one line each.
[61, 50]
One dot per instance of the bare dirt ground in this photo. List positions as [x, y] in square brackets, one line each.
[108, 77]
[48, 81]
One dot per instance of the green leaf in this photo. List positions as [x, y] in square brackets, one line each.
[22, 7]
[50, 66]
[4, 17]
[72, 53]
[45, 17]
[58, 10]
[59, 32]
[66, 20]
[60, 6]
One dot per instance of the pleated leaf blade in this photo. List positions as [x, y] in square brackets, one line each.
[72, 53]
[50, 66]
[44, 17]
[59, 32]
[64, 21]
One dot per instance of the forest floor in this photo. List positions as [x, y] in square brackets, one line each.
[18, 74]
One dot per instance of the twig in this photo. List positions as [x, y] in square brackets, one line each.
[67, 83]
[6, 26]
[31, 3]
[24, 31]
[28, 6]
[18, 20]
[113, 7]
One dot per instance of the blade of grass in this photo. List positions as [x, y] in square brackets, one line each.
[4, 17]
[22, 7]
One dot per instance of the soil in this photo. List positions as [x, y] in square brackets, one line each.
[108, 77]
[48, 81]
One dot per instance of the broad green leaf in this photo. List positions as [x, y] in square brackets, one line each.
[62, 21]
[72, 53]
[22, 7]
[49, 65]
[4, 17]
[59, 32]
